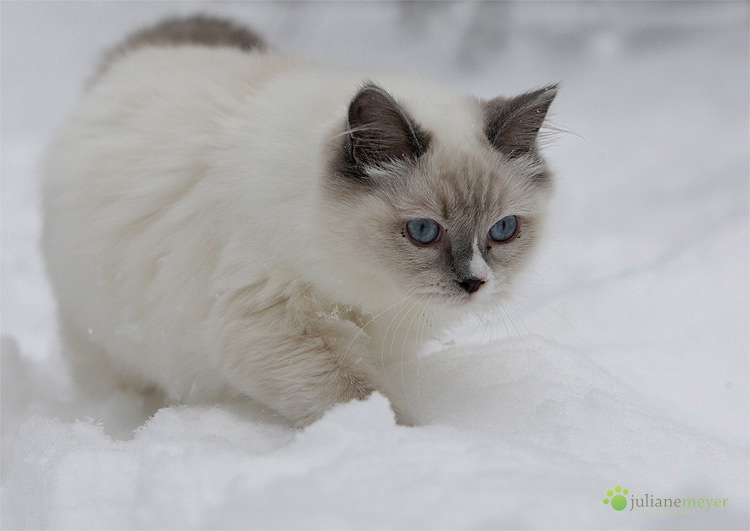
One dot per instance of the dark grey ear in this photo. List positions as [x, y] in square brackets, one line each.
[380, 131]
[512, 124]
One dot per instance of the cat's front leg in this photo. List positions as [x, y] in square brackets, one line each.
[304, 372]
[356, 349]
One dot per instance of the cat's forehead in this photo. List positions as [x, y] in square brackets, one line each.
[455, 182]
[443, 112]
[461, 170]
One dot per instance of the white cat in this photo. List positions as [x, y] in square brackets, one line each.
[222, 220]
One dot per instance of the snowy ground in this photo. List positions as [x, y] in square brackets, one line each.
[624, 360]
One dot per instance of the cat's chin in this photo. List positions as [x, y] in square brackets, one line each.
[465, 302]
[477, 301]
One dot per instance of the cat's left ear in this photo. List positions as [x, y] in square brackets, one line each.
[512, 125]
[380, 131]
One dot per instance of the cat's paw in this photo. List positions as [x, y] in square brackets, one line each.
[403, 418]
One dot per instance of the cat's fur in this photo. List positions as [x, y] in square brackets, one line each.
[222, 220]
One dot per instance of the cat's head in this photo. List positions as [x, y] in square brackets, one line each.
[438, 203]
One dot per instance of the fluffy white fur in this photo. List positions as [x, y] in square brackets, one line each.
[192, 248]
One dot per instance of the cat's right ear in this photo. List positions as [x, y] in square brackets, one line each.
[512, 125]
[379, 131]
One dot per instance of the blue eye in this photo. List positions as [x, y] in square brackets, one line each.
[423, 231]
[503, 230]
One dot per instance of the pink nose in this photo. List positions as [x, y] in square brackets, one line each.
[471, 284]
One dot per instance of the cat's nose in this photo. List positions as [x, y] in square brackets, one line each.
[471, 284]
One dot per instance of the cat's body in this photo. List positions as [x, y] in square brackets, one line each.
[222, 221]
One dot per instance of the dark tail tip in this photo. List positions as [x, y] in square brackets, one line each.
[197, 30]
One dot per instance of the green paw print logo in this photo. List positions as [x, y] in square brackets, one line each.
[618, 500]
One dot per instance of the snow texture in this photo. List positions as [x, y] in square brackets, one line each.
[622, 361]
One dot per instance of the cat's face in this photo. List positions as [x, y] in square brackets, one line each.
[437, 220]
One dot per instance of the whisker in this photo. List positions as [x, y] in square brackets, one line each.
[490, 315]
[370, 321]
[511, 306]
[522, 338]
[579, 338]
[405, 310]
[479, 322]
[504, 309]
[425, 319]
[505, 325]
[393, 341]
[374, 317]
[382, 344]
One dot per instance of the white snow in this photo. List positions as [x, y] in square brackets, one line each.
[623, 360]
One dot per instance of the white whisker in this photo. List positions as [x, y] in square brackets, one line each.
[393, 340]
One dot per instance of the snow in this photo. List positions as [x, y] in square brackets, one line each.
[622, 361]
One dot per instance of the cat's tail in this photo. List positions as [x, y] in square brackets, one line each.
[196, 30]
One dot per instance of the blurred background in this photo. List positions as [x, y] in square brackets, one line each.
[653, 105]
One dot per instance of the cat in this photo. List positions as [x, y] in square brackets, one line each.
[223, 221]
